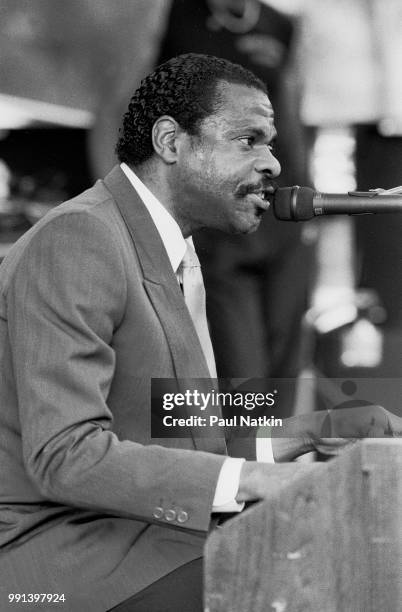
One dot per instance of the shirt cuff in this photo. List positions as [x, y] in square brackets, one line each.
[227, 486]
[263, 445]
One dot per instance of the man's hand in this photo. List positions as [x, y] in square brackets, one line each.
[329, 431]
[325, 431]
[261, 480]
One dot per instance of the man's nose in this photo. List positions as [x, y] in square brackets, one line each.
[268, 164]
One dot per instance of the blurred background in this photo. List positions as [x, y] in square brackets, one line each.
[321, 300]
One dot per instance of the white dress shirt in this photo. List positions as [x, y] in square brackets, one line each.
[175, 245]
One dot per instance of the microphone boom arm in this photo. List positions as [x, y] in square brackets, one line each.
[303, 203]
[335, 204]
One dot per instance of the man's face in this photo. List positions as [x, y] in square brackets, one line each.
[223, 176]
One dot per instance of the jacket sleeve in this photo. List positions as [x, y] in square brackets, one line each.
[65, 299]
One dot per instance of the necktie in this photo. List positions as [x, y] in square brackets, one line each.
[194, 296]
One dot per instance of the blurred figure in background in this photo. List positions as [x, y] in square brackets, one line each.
[382, 140]
[350, 71]
[67, 73]
[256, 285]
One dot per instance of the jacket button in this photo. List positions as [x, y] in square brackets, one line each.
[170, 515]
[158, 512]
[182, 516]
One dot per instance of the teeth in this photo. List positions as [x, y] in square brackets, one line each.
[263, 195]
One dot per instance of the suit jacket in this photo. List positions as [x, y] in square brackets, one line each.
[90, 309]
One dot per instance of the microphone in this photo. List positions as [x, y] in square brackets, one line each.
[303, 203]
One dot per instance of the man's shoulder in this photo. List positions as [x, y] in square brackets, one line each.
[91, 212]
[94, 201]
[97, 201]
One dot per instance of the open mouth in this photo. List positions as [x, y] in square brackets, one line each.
[260, 195]
[262, 198]
[264, 193]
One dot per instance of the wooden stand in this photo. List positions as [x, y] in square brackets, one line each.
[329, 541]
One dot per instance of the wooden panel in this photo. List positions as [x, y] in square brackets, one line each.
[331, 540]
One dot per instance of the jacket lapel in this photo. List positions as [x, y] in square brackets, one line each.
[164, 292]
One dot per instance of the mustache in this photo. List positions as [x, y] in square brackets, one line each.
[248, 188]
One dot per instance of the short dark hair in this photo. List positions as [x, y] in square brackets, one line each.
[184, 87]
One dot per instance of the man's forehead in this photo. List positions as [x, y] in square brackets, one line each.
[243, 102]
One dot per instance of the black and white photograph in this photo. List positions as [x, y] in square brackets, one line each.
[201, 305]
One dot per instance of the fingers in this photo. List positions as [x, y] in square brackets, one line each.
[394, 425]
[362, 422]
[332, 447]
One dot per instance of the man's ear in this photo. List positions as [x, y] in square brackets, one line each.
[165, 134]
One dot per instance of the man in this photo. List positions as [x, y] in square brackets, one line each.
[255, 328]
[91, 507]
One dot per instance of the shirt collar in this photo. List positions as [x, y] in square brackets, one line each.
[167, 227]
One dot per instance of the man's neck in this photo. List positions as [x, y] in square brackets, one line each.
[156, 181]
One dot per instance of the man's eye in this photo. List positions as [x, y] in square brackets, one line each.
[250, 141]
[247, 140]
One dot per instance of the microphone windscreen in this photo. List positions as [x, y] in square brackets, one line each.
[294, 203]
